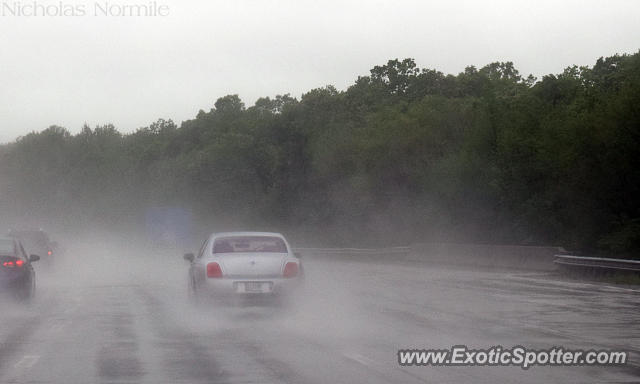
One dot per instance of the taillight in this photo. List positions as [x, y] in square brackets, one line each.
[12, 263]
[290, 269]
[49, 253]
[214, 270]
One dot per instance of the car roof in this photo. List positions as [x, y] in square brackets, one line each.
[32, 233]
[26, 230]
[246, 233]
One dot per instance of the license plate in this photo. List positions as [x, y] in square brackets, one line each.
[253, 286]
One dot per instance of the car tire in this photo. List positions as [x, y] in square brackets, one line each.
[25, 293]
[32, 291]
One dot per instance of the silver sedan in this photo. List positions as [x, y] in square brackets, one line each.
[235, 264]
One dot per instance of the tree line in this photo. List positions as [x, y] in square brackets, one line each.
[404, 154]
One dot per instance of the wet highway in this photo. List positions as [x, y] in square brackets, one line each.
[117, 319]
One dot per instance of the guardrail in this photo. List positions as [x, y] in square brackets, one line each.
[355, 251]
[569, 261]
[467, 255]
[475, 255]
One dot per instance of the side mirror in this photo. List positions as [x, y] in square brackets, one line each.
[189, 257]
[33, 258]
[298, 255]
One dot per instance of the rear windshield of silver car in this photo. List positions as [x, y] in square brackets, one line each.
[6, 247]
[242, 244]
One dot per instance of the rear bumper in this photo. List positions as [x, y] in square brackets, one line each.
[251, 286]
[10, 282]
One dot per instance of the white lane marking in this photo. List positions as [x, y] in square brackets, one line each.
[27, 361]
[576, 284]
[359, 358]
[622, 289]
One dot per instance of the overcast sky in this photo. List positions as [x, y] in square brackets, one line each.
[130, 71]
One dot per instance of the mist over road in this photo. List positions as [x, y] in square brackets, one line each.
[117, 317]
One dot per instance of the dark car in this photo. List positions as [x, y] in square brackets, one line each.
[17, 277]
[36, 241]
